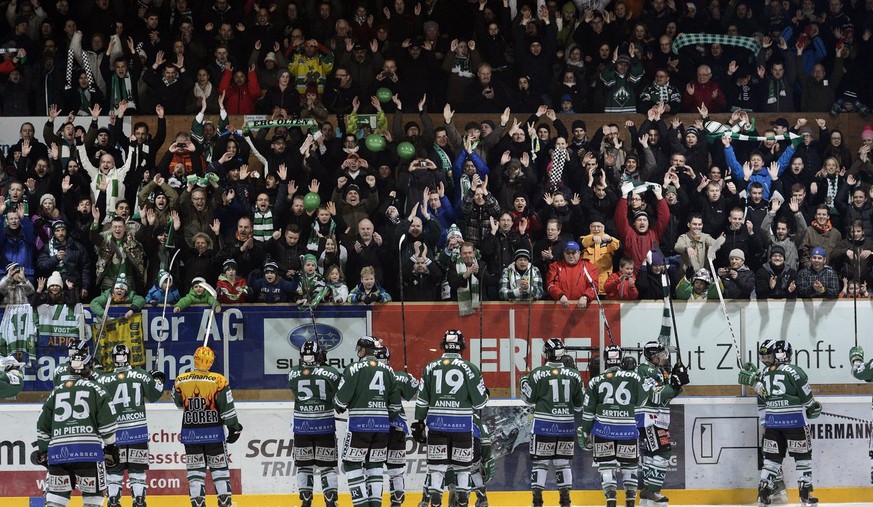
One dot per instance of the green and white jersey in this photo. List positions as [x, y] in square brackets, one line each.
[63, 373]
[11, 383]
[314, 388]
[863, 371]
[788, 393]
[611, 401]
[450, 389]
[656, 410]
[371, 393]
[555, 392]
[76, 421]
[130, 388]
[408, 390]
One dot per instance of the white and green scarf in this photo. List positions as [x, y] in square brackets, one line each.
[468, 297]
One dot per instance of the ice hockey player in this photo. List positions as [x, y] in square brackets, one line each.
[862, 371]
[207, 403]
[609, 423]
[76, 436]
[653, 420]
[785, 397]
[482, 470]
[555, 392]
[129, 388]
[314, 385]
[369, 391]
[450, 390]
[11, 377]
[396, 463]
[63, 372]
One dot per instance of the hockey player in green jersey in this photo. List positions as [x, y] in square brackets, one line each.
[555, 392]
[207, 404]
[11, 378]
[451, 389]
[399, 429]
[785, 397]
[314, 385]
[63, 371]
[482, 470]
[609, 423]
[130, 387]
[76, 436]
[862, 371]
[653, 420]
[371, 394]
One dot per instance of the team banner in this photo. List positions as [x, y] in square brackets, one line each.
[120, 331]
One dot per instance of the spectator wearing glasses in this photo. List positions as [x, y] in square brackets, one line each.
[703, 92]
[567, 282]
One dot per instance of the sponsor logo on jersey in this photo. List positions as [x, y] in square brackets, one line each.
[372, 363]
[306, 371]
[446, 361]
[68, 383]
[87, 484]
[770, 446]
[328, 336]
[609, 375]
[121, 376]
[555, 371]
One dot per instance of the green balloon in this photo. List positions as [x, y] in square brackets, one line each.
[311, 201]
[405, 150]
[375, 142]
[384, 95]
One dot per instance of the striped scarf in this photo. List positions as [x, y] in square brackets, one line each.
[263, 225]
[468, 297]
[694, 39]
[327, 231]
[716, 130]
[113, 190]
[556, 172]
[121, 90]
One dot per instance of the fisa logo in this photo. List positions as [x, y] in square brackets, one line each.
[327, 336]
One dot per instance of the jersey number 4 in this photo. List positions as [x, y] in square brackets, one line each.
[122, 395]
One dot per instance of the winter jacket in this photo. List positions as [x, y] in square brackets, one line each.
[240, 99]
[17, 245]
[601, 255]
[375, 295]
[790, 244]
[569, 280]
[234, 292]
[15, 293]
[131, 300]
[107, 247]
[76, 266]
[280, 291]
[636, 245]
[784, 277]
[156, 295]
[619, 288]
[193, 299]
[740, 287]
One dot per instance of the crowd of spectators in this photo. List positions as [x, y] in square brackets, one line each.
[528, 203]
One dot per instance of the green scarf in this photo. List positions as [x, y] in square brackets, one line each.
[263, 225]
[120, 90]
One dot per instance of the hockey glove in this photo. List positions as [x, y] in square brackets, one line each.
[748, 376]
[159, 376]
[813, 410]
[43, 459]
[584, 439]
[856, 354]
[679, 376]
[234, 434]
[419, 432]
[111, 455]
[339, 409]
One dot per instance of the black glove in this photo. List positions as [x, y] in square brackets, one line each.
[234, 434]
[111, 455]
[419, 432]
[679, 376]
[159, 376]
[42, 459]
[340, 410]
[689, 273]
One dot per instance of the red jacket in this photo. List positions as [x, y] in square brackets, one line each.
[570, 280]
[636, 245]
[234, 293]
[240, 99]
[620, 289]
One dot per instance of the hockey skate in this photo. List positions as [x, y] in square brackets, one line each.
[138, 501]
[780, 493]
[565, 497]
[306, 499]
[330, 499]
[225, 500]
[537, 497]
[649, 498]
[397, 498]
[114, 502]
[610, 498]
[806, 498]
[481, 497]
[764, 494]
[630, 498]
[462, 498]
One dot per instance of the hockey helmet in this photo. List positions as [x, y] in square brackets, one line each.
[382, 353]
[73, 346]
[80, 358]
[553, 349]
[203, 358]
[628, 363]
[569, 361]
[612, 356]
[453, 341]
[652, 350]
[309, 353]
[121, 355]
[367, 344]
[775, 352]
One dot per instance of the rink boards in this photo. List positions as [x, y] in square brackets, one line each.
[713, 461]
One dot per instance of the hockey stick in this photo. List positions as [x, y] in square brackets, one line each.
[599, 305]
[726, 317]
[167, 293]
[668, 300]
[402, 300]
[102, 326]
[855, 292]
[528, 354]
[481, 310]
[208, 288]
